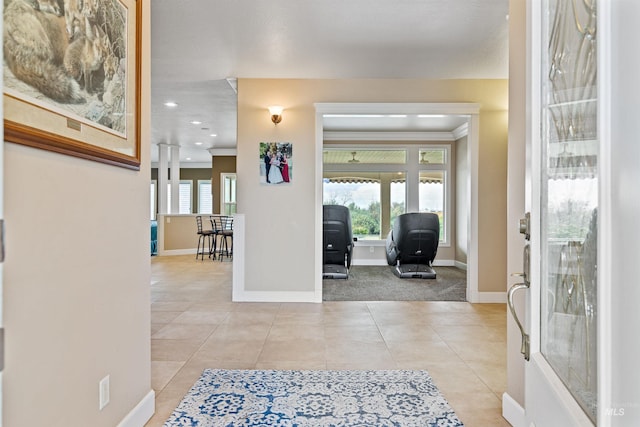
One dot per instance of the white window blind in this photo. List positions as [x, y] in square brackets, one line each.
[185, 197]
[205, 197]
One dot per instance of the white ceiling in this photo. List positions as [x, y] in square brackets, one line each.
[198, 44]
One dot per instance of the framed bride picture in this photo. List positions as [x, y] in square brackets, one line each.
[276, 165]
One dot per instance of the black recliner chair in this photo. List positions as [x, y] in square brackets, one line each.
[337, 242]
[412, 244]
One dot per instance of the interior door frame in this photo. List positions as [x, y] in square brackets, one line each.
[471, 110]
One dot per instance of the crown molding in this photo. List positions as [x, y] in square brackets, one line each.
[454, 108]
[388, 136]
[461, 131]
[186, 165]
[223, 151]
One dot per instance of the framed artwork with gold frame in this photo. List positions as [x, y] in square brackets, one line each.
[72, 78]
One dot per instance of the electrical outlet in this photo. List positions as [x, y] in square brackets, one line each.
[104, 392]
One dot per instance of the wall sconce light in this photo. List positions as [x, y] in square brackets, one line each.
[276, 114]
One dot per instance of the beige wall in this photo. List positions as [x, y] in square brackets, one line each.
[280, 220]
[76, 284]
[180, 231]
[492, 202]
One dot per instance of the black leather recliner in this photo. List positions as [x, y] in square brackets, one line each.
[337, 242]
[412, 244]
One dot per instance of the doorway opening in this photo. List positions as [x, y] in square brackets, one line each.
[381, 160]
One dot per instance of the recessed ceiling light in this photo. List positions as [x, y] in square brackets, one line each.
[198, 143]
[427, 116]
[188, 158]
[196, 122]
[213, 134]
[170, 104]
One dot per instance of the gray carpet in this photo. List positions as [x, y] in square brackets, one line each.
[378, 283]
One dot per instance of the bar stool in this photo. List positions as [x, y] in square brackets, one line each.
[216, 228]
[202, 236]
[223, 227]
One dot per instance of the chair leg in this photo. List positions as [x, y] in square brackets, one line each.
[214, 246]
[224, 247]
[200, 243]
[222, 244]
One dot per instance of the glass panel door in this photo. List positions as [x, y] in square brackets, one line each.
[228, 199]
[569, 197]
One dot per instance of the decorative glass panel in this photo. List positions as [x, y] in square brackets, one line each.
[570, 196]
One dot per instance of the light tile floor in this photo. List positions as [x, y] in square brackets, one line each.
[194, 325]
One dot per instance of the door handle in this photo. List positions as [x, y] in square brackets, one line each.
[526, 257]
[524, 347]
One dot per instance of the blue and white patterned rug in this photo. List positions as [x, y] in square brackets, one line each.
[233, 398]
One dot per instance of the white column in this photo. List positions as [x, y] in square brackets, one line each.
[163, 177]
[413, 179]
[175, 179]
[385, 204]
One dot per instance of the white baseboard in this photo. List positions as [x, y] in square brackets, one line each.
[444, 263]
[369, 261]
[512, 411]
[487, 297]
[460, 265]
[142, 413]
[170, 252]
[276, 296]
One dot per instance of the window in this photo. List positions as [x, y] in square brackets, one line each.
[378, 184]
[205, 197]
[228, 190]
[353, 156]
[362, 197]
[372, 210]
[431, 196]
[185, 196]
[433, 156]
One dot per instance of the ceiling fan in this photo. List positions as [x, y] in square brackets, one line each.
[353, 159]
[422, 159]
